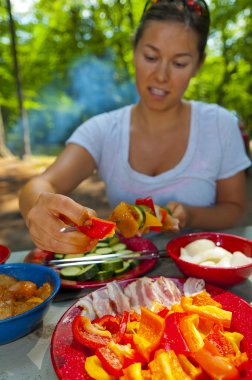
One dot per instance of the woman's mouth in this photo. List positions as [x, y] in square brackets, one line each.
[157, 91]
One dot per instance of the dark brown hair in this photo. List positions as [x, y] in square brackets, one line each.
[178, 11]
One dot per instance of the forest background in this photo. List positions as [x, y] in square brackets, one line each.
[64, 61]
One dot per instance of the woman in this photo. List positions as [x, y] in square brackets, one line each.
[188, 155]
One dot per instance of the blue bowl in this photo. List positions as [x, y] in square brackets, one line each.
[15, 327]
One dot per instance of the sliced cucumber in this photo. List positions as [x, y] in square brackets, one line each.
[79, 273]
[88, 272]
[73, 256]
[125, 268]
[125, 252]
[119, 247]
[104, 275]
[70, 273]
[59, 256]
[103, 251]
[133, 263]
[140, 215]
[101, 244]
[114, 240]
[111, 265]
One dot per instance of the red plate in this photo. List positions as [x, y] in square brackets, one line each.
[68, 356]
[138, 244]
[4, 253]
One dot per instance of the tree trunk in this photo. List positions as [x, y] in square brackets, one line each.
[4, 151]
[24, 125]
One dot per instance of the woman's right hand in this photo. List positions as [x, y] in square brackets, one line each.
[49, 214]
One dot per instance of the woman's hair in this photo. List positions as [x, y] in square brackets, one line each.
[191, 13]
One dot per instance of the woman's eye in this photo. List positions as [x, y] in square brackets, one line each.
[150, 58]
[180, 65]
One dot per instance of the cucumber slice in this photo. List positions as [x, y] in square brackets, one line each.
[133, 263]
[59, 256]
[103, 275]
[125, 268]
[114, 240]
[88, 272]
[101, 244]
[140, 212]
[103, 251]
[73, 256]
[70, 273]
[79, 273]
[111, 265]
[119, 247]
[126, 252]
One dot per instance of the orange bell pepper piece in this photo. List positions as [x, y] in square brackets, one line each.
[217, 343]
[188, 327]
[214, 313]
[204, 299]
[217, 367]
[150, 332]
[191, 370]
[133, 372]
[166, 366]
[95, 369]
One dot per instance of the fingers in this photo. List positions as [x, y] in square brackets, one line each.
[179, 211]
[44, 221]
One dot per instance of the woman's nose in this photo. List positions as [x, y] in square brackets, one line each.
[163, 71]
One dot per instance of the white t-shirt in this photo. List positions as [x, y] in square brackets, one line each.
[215, 151]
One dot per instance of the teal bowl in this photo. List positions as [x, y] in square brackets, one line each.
[16, 327]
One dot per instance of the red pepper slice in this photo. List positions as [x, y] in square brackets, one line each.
[172, 338]
[146, 202]
[109, 322]
[122, 328]
[110, 361]
[86, 338]
[97, 228]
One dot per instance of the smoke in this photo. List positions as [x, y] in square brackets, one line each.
[90, 87]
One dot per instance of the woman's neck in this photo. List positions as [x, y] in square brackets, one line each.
[151, 121]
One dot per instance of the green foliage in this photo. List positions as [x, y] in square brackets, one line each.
[59, 40]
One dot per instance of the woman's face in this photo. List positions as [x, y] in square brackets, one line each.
[166, 58]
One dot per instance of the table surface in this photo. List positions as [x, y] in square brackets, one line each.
[29, 357]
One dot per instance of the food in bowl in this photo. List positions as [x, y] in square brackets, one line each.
[17, 297]
[206, 252]
[17, 326]
[221, 276]
[189, 336]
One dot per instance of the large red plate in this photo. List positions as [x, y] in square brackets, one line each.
[68, 356]
[138, 244]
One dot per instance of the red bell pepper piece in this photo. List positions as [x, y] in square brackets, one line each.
[122, 328]
[97, 228]
[110, 361]
[172, 338]
[146, 202]
[109, 322]
[126, 354]
[81, 328]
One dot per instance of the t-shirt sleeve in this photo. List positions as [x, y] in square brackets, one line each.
[90, 135]
[234, 157]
